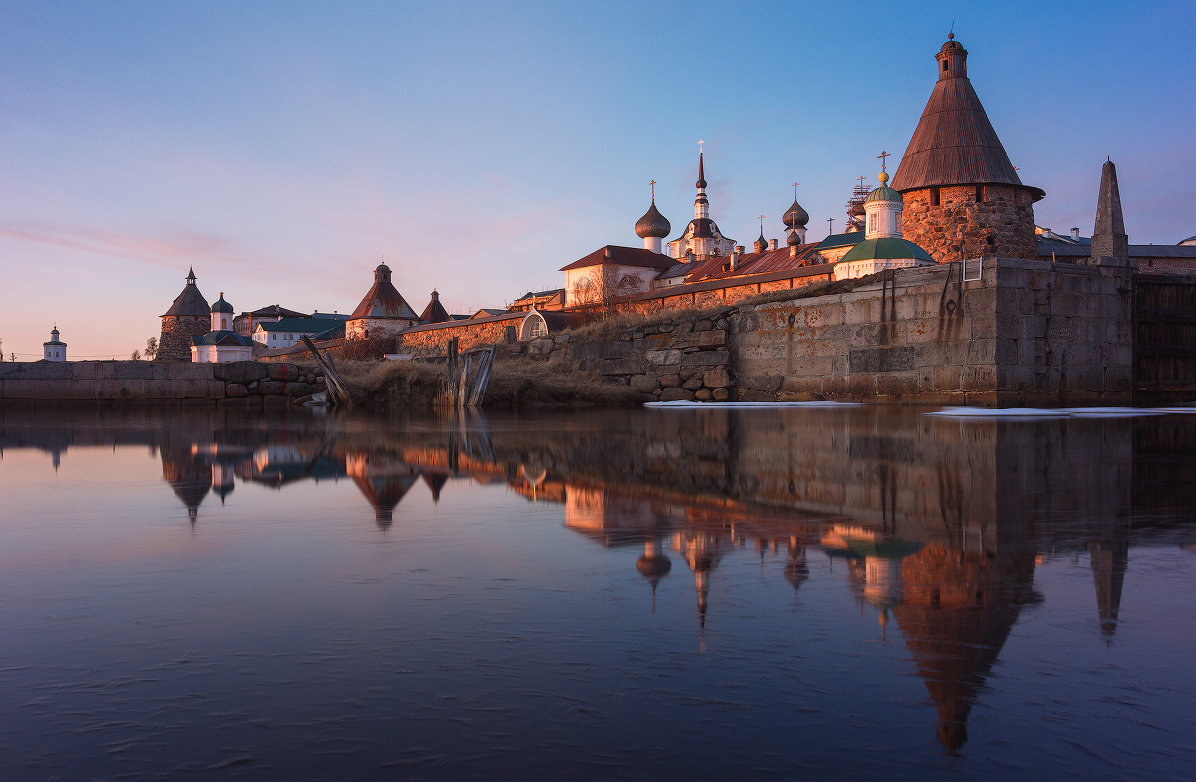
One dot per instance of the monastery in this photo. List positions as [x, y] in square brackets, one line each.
[955, 195]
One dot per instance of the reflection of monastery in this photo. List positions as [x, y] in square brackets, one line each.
[940, 525]
[955, 194]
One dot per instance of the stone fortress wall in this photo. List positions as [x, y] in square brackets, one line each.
[39, 383]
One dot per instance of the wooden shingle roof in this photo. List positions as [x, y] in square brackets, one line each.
[954, 143]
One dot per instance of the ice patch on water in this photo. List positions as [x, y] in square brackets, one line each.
[1027, 413]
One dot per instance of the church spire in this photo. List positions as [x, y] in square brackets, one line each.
[1108, 237]
[701, 202]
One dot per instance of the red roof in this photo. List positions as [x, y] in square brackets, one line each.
[713, 268]
[383, 301]
[615, 255]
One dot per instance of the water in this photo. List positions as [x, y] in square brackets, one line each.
[642, 594]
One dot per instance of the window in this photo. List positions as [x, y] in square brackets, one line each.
[872, 222]
[539, 328]
[934, 196]
[946, 65]
[979, 193]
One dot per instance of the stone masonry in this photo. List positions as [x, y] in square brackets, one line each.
[960, 226]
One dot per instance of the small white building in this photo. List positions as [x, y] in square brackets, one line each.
[289, 331]
[883, 247]
[221, 344]
[612, 271]
[55, 349]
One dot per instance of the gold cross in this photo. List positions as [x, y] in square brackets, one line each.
[861, 181]
[700, 143]
[795, 184]
[881, 157]
[762, 224]
[652, 184]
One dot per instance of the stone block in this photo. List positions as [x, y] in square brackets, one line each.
[716, 378]
[663, 357]
[596, 351]
[37, 388]
[897, 385]
[707, 339]
[188, 371]
[542, 347]
[693, 384]
[675, 394]
[870, 360]
[706, 358]
[703, 394]
[948, 378]
[629, 366]
[721, 394]
[271, 387]
[235, 390]
[669, 381]
[287, 373]
[646, 383]
[137, 370]
[240, 372]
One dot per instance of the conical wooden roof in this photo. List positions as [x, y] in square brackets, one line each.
[954, 143]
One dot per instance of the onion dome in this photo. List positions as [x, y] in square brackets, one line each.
[221, 305]
[884, 192]
[653, 567]
[653, 224]
[793, 240]
[796, 217]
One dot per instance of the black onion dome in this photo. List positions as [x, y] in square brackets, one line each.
[221, 305]
[796, 217]
[793, 240]
[652, 224]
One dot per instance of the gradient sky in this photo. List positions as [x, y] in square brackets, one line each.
[284, 148]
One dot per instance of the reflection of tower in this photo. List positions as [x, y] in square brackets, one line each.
[383, 479]
[882, 586]
[702, 553]
[653, 565]
[435, 482]
[796, 569]
[190, 478]
[1109, 557]
[222, 480]
[957, 610]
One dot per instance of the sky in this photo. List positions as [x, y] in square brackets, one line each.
[285, 149]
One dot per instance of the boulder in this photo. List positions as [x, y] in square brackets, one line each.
[288, 373]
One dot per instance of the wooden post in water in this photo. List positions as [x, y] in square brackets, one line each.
[457, 388]
[334, 387]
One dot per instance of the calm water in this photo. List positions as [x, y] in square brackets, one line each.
[661, 594]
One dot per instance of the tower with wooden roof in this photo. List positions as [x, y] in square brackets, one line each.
[383, 312]
[701, 237]
[188, 317]
[963, 198]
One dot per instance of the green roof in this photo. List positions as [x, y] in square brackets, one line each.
[885, 248]
[840, 240]
[883, 193]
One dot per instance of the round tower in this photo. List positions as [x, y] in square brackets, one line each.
[188, 317]
[55, 349]
[963, 198]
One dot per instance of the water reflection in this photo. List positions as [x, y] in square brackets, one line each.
[935, 527]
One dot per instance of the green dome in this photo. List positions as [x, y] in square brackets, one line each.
[886, 248]
[883, 193]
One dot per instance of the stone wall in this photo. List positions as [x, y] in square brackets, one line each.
[690, 359]
[249, 382]
[960, 225]
[1026, 332]
[434, 338]
[177, 330]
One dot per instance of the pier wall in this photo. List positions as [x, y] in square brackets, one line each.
[242, 382]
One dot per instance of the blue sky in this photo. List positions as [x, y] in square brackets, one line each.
[284, 149]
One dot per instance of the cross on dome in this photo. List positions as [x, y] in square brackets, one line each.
[881, 157]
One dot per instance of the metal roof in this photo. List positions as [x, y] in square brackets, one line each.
[885, 248]
[841, 240]
[622, 256]
[223, 338]
[301, 325]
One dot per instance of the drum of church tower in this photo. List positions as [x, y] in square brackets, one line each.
[963, 197]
